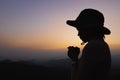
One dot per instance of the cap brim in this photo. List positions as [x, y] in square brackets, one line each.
[72, 23]
[106, 31]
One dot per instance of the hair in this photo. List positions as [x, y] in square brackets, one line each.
[93, 33]
[96, 33]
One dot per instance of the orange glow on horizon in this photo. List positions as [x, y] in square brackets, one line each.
[51, 44]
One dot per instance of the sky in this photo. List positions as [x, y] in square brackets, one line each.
[40, 25]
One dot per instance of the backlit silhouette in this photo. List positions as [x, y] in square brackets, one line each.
[95, 61]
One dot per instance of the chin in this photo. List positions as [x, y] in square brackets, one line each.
[84, 40]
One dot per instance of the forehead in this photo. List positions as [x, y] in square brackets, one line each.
[87, 28]
[83, 30]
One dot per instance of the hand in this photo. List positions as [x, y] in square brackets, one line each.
[73, 53]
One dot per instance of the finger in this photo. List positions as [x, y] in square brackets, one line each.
[77, 47]
[70, 47]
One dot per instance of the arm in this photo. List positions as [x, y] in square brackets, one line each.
[73, 53]
[74, 70]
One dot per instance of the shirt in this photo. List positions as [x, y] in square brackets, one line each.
[95, 61]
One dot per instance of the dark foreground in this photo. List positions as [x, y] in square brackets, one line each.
[27, 71]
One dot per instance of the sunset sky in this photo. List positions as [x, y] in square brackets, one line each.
[41, 24]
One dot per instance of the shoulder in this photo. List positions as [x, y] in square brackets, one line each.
[95, 51]
[96, 46]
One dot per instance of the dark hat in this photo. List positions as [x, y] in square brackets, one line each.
[88, 19]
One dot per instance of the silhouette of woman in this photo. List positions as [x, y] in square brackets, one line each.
[95, 61]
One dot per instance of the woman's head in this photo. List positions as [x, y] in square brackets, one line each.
[90, 24]
[89, 34]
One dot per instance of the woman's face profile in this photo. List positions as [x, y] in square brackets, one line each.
[83, 36]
